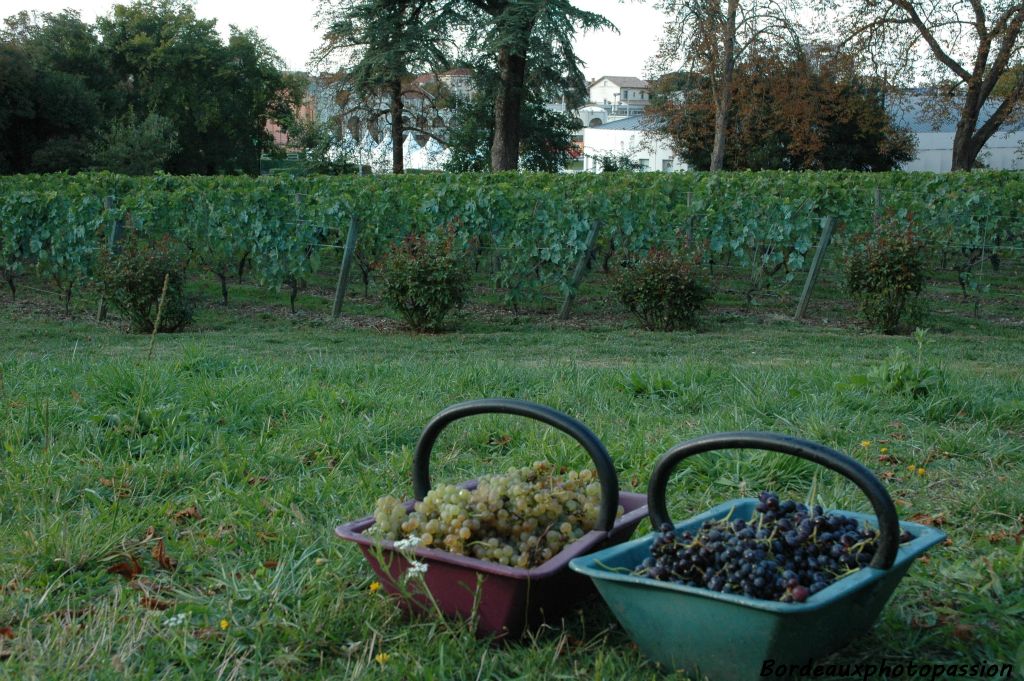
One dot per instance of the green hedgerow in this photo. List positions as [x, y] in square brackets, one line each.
[424, 279]
[666, 290]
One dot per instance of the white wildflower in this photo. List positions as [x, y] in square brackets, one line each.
[409, 543]
[177, 620]
[416, 568]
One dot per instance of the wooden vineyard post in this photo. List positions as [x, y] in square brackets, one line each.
[827, 225]
[346, 266]
[115, 236]
[581, 269]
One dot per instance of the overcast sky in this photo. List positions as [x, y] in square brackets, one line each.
[289, 28]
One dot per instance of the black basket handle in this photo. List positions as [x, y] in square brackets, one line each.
[556, 419]
[888, 522]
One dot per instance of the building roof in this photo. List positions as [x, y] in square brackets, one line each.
[629, 123]
[458, 72]
[910, 113]
[624, 81]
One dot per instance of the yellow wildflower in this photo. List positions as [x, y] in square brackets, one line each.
[224, 624]
[382, 658]
[374, 587]
[911, 468]
[884, 450]
[865, 443]
[920, 471]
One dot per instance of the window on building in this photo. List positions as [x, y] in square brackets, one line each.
[644, 163]
[666, 165]
[625, 94]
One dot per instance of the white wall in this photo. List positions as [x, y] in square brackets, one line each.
[633, 143]
[604, 92]
[935, 152]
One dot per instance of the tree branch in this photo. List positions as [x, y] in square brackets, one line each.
[929, 37]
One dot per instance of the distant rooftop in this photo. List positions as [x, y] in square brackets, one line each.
[629, 123]
[910, 113]
[624, 81]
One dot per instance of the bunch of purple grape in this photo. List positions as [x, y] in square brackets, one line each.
[785, 552]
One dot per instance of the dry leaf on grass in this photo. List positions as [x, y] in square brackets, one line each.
[128, 569]
[190, 513]
[160, 554]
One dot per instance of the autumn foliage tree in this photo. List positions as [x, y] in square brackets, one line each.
[711, 37]
[792, 109]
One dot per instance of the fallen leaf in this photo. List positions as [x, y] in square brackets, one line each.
[252, 480]
[270, 564]
[498, 441]
[937, 520]
[964, 632]
[107, 482]
[150, 534]
[127, 569]
[886, 458]
[925, 559]
[6, 632]
[887, 475]
[153, 603]
[635, 481]
[160, 554]
[190, 513]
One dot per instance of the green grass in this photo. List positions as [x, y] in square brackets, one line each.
[276, 428]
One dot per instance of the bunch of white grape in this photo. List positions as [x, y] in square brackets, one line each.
[520, 518]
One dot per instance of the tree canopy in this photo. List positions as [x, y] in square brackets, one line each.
[793, 108]
[529, 44]
[151, 68]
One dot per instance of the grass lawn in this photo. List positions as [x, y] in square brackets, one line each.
[231, 455]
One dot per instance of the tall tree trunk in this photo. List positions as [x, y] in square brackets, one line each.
[507, 110]
[397, 129]
[965, 143]
[724, 100]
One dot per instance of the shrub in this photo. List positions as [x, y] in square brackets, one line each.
[886, 274]
[667, 291]
[424, 279]
[131, 281]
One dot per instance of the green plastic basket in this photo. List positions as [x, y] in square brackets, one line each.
[730, 637]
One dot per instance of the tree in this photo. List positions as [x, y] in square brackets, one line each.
[793, 109]
[974, 46]
[711, 36]
[546, 137]
[54, 92]
[384, 43]
[530, 43]
[219, 97]
[134, 147]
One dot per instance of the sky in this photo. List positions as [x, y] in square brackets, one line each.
[290, 28]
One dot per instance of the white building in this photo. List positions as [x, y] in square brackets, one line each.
[1003, 151]
[625, 95]
[632, 137]
[629, 137]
